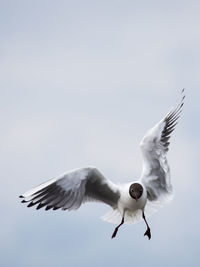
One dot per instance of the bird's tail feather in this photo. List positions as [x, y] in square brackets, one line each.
[114, 216]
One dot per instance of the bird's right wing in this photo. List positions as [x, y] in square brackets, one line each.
[70, 190]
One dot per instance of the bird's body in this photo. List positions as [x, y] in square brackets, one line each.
[129, 201]
[129, 204]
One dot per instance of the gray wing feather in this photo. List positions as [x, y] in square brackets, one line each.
[71, 189]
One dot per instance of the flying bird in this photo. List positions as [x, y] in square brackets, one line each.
[130, 202]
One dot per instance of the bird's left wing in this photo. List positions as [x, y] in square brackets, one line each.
[70, 190]
[154, 146]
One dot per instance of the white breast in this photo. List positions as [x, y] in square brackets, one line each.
[127, 203]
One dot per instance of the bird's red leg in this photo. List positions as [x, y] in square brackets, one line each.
[148, 231]
[116, 229]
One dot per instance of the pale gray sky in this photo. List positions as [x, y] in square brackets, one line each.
[81, 82]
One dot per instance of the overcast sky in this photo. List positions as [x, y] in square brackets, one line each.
[80, 83]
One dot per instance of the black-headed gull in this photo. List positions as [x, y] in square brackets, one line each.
[129, 201]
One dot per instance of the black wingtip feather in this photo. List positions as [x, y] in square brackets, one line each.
[166, 144]
[21, 196]
[40, 206]
[31, 204]
[165, 139]
[171, 121]
[56, 208]
[48, 207]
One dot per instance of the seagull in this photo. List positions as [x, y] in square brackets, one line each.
[130, 202]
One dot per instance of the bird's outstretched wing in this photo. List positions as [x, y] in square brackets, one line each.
[154, 146]
[70, 190]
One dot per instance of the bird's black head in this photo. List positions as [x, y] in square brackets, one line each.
[136, 191]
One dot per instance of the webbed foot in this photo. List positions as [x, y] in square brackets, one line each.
[148, 233]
